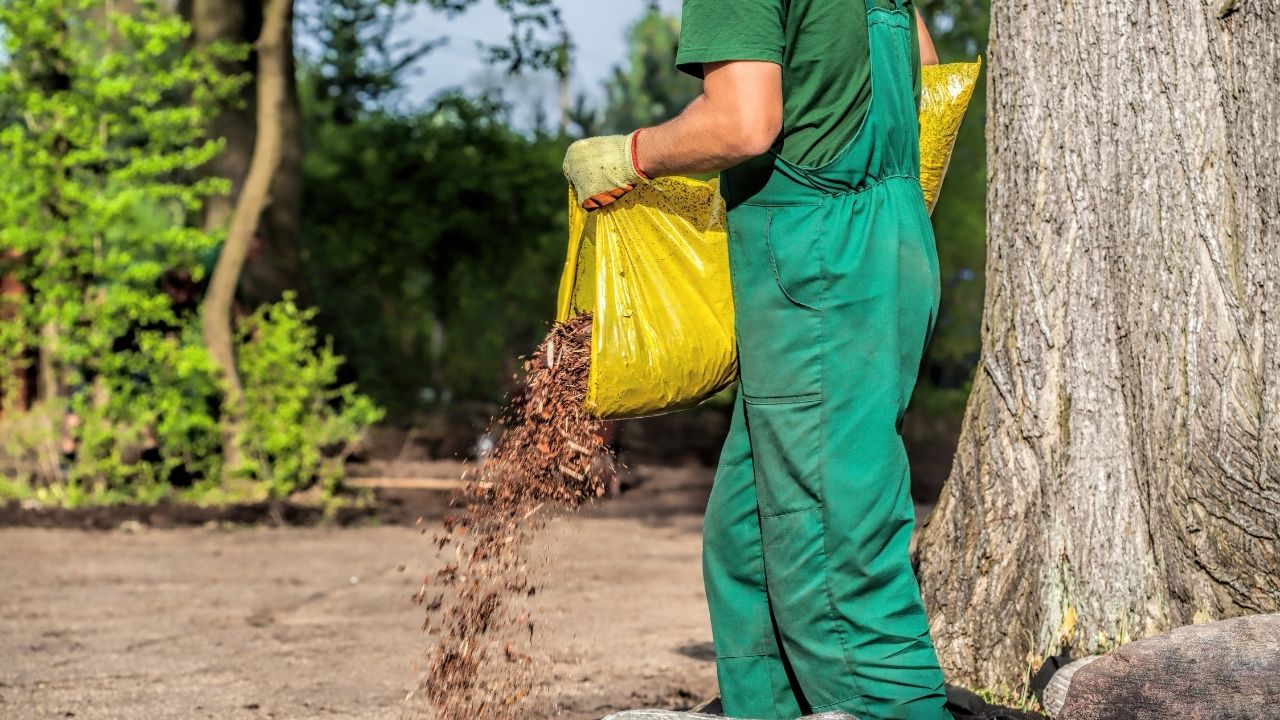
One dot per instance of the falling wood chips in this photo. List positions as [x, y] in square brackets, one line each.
[546, 454]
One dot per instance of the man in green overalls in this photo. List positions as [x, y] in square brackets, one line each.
[809, 109]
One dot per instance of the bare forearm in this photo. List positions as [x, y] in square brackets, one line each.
[699, 140]
[737, 117]
[928, 54]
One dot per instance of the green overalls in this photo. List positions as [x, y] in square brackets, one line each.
[814, 606]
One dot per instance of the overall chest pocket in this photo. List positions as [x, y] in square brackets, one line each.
[776, 256]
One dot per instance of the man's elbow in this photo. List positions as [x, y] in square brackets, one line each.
[756, 135]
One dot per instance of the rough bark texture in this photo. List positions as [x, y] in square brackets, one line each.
[1119, 468]
[1227, 669]
[253, 199]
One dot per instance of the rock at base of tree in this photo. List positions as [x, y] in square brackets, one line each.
[1055, 693]
[1222, 670]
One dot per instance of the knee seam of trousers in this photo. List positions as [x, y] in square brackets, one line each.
[792, 512]
[858, 698]
[743, 657]
[834, 615]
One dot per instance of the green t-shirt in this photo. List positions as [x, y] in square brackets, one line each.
[822, 48]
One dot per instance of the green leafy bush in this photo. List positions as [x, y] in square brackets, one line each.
[103, 131]
[299, 422]
[103, 114]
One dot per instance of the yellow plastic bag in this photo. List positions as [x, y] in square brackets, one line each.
[654, 272]
[944, 97]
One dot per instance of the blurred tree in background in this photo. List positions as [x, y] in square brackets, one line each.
[100, 203]
[959, 30]
[98, 196]
[277, 265]
[648, 89]
[537, 39]
[434, 237]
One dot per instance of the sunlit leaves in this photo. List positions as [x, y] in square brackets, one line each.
[102, 127]
[295, 409]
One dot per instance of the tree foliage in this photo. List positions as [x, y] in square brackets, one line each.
[435, 237]
[296, 410]
[537, 40]
[97, 192]
[435, 245]
[107, 108]
[648, 89]
[446, 225]
[357, 67]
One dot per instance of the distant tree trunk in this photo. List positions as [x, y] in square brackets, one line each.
[276, 265]
[254, 198]
[15, 390]
[234, 21]
[1119, 468]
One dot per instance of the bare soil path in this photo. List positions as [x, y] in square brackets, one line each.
[317, 623]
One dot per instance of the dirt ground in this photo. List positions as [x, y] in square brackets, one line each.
[317, 623]
[219, 622]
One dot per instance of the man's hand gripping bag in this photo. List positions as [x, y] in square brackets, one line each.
[653, 271]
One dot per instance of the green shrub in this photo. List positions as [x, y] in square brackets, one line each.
[299, 423]
[104, 110]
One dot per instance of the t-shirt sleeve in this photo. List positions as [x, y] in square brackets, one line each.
[723, 30]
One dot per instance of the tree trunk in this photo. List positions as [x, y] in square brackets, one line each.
[234, 21]
[276, 263]
[15, 379]
[254, 198]
[1119, 468]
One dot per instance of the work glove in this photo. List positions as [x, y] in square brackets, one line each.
[603, 169]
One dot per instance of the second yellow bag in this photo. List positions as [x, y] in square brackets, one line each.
[944, 96]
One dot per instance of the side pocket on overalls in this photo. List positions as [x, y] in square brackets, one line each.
[780, 292]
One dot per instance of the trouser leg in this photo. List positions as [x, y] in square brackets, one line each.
[752, 670]
[835, 299]
[832, 481]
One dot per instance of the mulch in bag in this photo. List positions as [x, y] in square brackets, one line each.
[944, 96]
[653, 272]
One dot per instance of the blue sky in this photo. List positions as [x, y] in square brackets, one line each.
[597, 35]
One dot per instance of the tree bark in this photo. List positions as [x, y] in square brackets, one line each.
[1118, 472]
[254, 198]
[234, 21]
[276, 265]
